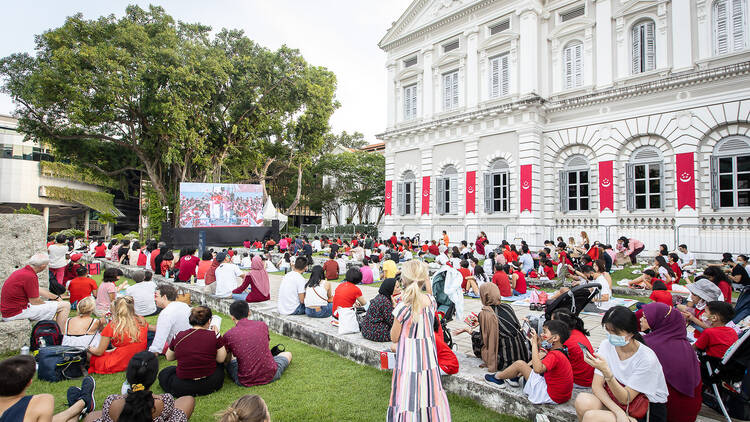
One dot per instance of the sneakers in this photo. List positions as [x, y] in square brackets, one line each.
[491, 378]
[74, 394]
[88, 386]
[514, 382]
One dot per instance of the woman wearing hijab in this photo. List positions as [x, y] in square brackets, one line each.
[499, 338]
[377, 322]
[257, 279]
[668, 339]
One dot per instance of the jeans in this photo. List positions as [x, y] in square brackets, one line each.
[300, 310]
[324, 312]
[233, 370]
[239, 296]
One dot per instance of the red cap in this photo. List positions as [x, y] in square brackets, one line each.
[75, 257]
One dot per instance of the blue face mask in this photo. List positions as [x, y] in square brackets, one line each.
[617, 341]
[546, 345]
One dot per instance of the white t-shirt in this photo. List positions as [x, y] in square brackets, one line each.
[527, 262]
[236, 259]
[291, 286]
[315, 245]
[316, 297]
[226, 279]
[642, 372]
[143, 297]
[172, 319]
[606, 289]
[133, 256]
[685, 258]
[57, 255]
[246, 262]
[442, 259]
[663, 273]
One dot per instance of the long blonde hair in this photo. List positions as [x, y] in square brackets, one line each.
[125, 320]
[414, 275]
[248, 408]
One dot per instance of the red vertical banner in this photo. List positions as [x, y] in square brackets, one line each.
[526, 187]
[685, 180]
[425, 195]
[388, 196]
[471, 191]
[606, 186]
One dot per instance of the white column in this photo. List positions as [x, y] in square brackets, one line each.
[604, 45]
[705, 43]
[390, 90]
[529, 41]
[662, 40]
[427, 84]
[398, 101]
[623, 49]
[682, 36]
[472, 70]
[588, 57]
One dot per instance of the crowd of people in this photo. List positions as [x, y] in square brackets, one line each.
[650, 355]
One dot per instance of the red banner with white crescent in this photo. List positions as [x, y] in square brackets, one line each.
[425, 195]
[685, 180]
[471, 191]
[388, 196]
[606, 186]
[526, 187]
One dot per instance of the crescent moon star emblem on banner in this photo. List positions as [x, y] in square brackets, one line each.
[388, 195]
[685, 177]
[470, 189]
[425, 193]
[606, 183]
[526, 185]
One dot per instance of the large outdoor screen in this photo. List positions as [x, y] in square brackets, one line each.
[220, 205]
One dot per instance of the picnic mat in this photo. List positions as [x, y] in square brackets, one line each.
[603, 307]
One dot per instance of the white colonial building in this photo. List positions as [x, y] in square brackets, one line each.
[537, 119]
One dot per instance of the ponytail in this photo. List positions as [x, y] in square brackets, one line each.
[248, 408]
[138, 406]
[414, 274]
[141, 374]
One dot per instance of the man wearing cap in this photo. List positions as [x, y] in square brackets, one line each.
[71, 270]
[701, 292]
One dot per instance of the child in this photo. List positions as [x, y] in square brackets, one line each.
[548, 380]
[549, 270]
[660, 293]
[674, 264]
[107, 291]
[644, 281]
[81, 286]
[717, 338]
[469, 283]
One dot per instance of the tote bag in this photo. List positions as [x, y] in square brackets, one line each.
[348, 321]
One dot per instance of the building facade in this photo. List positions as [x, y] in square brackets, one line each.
[531, 120]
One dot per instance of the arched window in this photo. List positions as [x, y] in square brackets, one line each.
[573, 65]
[497, 187]
[644, 46]
[730, 22]
[574, 184]
[730, 173]
[405, 194]
[447, 191]
[645, 179]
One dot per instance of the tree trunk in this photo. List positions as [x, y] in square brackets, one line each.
[380, 216]
[262, 177]
[299, 190]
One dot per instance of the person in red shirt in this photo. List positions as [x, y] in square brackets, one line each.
[22, 298]
[347, 294]
[660, 293]
[549, 270]
[100, 250]
[583, 373]
[469, 284]
[187, 265]
[548, 380]
[81, 286]
[720, 278]
[674, 264]
[393, 239]
[518, 281]
[447, 360]
[426, 246]
[331, 268]
[500, 278]
[716, 339]
[433, 249]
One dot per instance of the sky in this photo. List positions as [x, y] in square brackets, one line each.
[341, 35]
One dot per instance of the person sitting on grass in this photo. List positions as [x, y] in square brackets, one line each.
[502, 281]
[318, 294]
[347, 294]
[249, 360]
[377, 322]
[82, 330]
[174, 318]
[469, 283]
[717, 338]
[644, 280]
[81, 286]
[127, 333]
[200, 355]
[583, 373]
[549, 379]
[18, 374]
[143, 294]
[248, 408]
[140, 404]
[107, 291]
[674, 264]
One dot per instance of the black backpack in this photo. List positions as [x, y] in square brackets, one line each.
[55, 287]
[49, 331]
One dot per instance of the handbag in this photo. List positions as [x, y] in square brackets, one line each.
[637, 408]
[347, 321]
[58, 363]
[184, 297]
[477, 343]
[94, 268]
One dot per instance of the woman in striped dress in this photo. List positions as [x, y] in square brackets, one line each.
[416, 391]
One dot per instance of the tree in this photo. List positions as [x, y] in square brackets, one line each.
[359, 176]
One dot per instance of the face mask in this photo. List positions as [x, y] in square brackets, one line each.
[701, 305]
[546, 345]
[617, 341]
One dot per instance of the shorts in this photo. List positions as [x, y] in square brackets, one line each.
[46, 310]
[536, 389]
[281, 364]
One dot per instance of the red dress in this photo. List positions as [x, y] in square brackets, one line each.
[116, 360]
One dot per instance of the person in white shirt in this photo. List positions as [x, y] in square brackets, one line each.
[92, 246]
[527, 262]
[408, 256]
[316, 246]
[687, 260]
[292, 290]
[342, 264]
[236, 259]
[247, 260]
[442, 259]
[227, 276]
[143, 294]
[174, 317]
[57, 259]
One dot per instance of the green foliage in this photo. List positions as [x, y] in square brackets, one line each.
[129, 236]
[99, 201]
[107, 218]
[154, 212]
[76, 173]
[28, 209]
[357, 178]
[70, 233]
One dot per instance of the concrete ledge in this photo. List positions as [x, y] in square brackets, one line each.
[14, 335]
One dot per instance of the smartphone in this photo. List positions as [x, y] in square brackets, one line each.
[216, 322]
[526, 328]
[585, 350]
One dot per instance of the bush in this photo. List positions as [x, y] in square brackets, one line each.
[70, 233]
[28, 209]
[129, 236]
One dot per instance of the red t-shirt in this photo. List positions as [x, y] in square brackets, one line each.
[187, 267]
[726, 290]
[394, 240]
[425, 248]
[248, 342]
[661, 296]
[434, 250]
[677, 270]
[230, 253]
[447, 360]
[100, 251]
[550, 272]
[345, 296]
[17, 289]
[141, 259]
[465, 272]
[559, 376]
[195, 350]
[716, 340]
[154, 254]
[81, 287]
[331, 268]
[583, 373]
[503, 283]
[521, 282]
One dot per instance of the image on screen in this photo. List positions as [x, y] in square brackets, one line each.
[220, 205]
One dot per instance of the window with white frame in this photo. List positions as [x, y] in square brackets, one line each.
[450, 90]
[730, 173]
[730, 25]
[405, 194]
[573, 65]
[645, 179]
[410, 102]
[644, 46]
[574, 184]
[497, 187]
[447, 191]
[499, 76]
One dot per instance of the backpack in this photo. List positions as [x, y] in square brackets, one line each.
[49, 331]
[55, 287]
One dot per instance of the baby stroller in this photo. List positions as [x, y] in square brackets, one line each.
[446, 287]
[445, 306]
[575, 300]
[726, 382]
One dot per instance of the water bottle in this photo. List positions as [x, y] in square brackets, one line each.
[25, 350]
[42, 343]
[125, 388]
